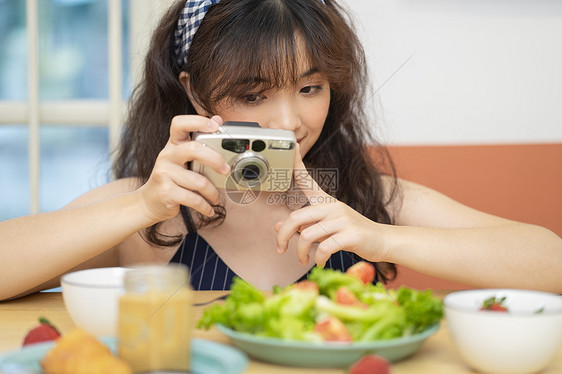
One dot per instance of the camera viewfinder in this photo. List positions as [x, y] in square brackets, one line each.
[236, 145]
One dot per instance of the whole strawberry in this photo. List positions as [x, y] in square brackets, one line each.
[42, 333]
[371, 364]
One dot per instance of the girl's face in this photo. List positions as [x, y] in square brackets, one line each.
[301, 108]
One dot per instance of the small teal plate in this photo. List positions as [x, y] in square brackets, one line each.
[207, 358]
[324, 355]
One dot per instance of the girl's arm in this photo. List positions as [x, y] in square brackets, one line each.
[441, 237]
[433, 234]
[101, 228]
[37, 249]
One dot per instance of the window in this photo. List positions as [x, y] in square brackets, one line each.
[64, 78]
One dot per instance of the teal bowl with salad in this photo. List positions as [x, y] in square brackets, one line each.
[330, 320]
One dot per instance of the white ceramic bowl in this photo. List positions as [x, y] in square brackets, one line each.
[520, 341]
[92, 298]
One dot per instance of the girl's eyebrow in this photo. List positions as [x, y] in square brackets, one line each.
[254, 81]
[309, 72]
[260, 80]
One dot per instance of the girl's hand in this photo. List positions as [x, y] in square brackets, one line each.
[171, 183]
[328, 221]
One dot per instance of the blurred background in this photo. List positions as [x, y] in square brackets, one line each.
[467, 94]
[51, 157]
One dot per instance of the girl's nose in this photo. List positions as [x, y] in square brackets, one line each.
[286, 116]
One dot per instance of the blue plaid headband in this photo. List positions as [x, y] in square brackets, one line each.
[190, 19]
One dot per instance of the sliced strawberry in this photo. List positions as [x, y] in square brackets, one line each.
[494, 304]
[370, 364]
[306, 285]
[345, 297]
[42, 333]
[362, 270]
[332, 329]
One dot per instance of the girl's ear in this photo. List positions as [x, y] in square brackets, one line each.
[184, 79]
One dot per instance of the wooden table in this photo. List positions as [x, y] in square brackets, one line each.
[437, 355]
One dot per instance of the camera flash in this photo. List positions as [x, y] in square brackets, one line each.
[281, 144]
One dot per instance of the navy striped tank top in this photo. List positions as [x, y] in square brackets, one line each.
[209, 272]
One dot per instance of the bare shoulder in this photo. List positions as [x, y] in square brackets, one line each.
[117, 187]
[413, 204]
[134, 249]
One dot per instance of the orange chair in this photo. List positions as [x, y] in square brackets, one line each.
[519, 182]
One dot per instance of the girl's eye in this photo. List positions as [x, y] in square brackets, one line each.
[253, 98]
[310, 90]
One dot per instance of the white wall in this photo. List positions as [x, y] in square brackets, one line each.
[481, 71]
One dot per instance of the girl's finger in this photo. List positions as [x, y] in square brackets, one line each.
[195, 182]
[313, 234]
[185, 152]
[193, 200]
[183, 125]
[296, 220]
[329, 246]
[278, 225]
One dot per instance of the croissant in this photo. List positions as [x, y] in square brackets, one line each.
[79, 352]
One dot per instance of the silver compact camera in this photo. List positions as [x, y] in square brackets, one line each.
[260, 159]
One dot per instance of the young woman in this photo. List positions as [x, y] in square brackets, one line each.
[285, 64]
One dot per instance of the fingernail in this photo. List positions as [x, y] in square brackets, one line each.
[213, 124]
[225, 169]
[278, 249]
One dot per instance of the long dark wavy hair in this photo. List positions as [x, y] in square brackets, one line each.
[257, 38]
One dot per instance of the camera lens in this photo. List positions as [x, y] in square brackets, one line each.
[258, 145]
[250, 172]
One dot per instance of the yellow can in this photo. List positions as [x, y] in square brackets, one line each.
[155, 319]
